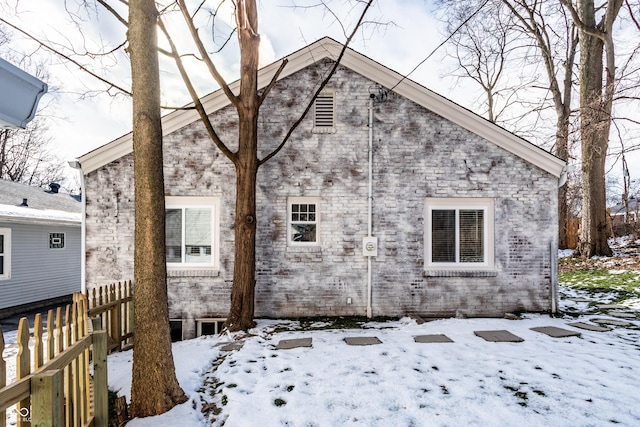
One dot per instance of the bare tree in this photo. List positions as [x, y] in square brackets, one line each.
[597, 86]
[557, 43]
[246, 161]
[154, 386]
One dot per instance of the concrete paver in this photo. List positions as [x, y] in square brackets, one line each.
[589, 327]
[436, 338]
[612, 322]
[498, 336]
[556, 332]
[362, 340]
[294, 343]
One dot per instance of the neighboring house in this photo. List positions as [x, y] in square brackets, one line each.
[624, 219]
[40, 246]
[463, 214]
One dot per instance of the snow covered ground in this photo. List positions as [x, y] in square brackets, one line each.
[543, 381]
[577, 381]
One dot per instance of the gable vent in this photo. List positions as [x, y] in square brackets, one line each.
[324, 111]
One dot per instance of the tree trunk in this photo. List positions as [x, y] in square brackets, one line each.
[595, 122]
[154, 386]
[244, 275]
[562, 151]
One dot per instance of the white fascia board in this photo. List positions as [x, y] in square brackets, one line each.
[454, 113]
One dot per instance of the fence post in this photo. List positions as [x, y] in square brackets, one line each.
[3, 377]
[23, 368]
[47, 396]
[100, 384]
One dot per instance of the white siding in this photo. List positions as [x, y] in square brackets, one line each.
[37, 272]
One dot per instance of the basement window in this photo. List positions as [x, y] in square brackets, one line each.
[209, 326]
[324, 113]
[175, 325]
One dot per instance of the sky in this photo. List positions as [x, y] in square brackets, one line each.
[586, 380]
[84, 118]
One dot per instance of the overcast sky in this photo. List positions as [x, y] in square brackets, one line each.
[86, 120]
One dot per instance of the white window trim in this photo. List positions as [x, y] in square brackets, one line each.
[6, 232]
[303, 200]
[487, 204]
[325, 129]
[177, 202]
[64, 241]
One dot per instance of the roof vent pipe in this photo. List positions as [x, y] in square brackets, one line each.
[54, 186]
[24, 203]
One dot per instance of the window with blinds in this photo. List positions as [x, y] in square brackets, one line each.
[190, 232]
[459, 236]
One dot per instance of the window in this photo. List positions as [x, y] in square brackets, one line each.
[209, 326]
[303, 221]
[191, 230]
[5, 253]
[56, 240]
[459, 233]
[324, 112]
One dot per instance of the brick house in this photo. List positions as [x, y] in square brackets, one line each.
[447, 214]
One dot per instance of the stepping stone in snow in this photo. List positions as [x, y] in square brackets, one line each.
[589, 327]
[293, 343]
[498, 336]
[611, 307]
[612, 322]
[432, 338]
[555, 332]
[232, 346]
[362, 340]
[580, 299]
[622, 315]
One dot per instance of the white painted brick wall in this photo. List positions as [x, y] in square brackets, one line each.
[417, 154]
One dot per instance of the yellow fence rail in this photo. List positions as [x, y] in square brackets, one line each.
[54, 385]
[113, 304]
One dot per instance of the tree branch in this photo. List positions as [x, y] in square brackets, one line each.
[194, 96]
[320, 88]
[205, 56]
[68, 58]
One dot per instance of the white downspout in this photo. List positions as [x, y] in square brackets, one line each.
[83, 229]
[370, 212]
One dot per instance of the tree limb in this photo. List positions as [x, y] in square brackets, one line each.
[320, 88]
[205, 57]
[194, 96]
[68, 58]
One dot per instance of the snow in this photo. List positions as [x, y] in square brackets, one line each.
[41, 214]
[586, 380]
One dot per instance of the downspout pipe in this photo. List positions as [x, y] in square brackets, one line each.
[83, 230]
[370, 208]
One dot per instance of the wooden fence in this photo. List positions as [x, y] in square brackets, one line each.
[60, 391]
[113, 304]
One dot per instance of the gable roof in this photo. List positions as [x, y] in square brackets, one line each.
[42, 206]
[329, 48]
